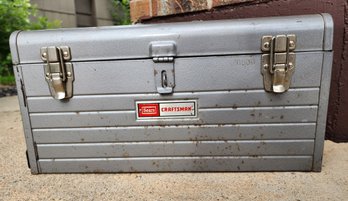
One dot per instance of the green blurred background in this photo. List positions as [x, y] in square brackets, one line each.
[48, 14]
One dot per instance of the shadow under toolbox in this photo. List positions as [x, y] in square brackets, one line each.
[230, 95]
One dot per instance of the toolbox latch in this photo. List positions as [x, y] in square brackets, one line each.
[163, 53]
[58, 71]
[278, 62]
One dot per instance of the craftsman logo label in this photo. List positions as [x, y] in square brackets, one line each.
[166, 109]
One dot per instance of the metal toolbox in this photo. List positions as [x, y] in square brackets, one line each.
[230, 95]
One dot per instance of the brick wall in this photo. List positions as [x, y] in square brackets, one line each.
[145, 9]
[160, 11]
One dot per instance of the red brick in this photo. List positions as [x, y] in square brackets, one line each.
[154, 7]
[170, 7]
[140, 9]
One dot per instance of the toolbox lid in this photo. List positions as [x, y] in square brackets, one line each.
[198, 38]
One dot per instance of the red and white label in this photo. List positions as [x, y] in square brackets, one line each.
[166, 109]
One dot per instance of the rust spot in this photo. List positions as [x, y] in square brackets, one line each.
[253, 115]
[234, 106]
[282, 117]
[82, 139]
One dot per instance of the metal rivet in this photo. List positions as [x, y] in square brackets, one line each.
[292, 43]
[265, 66]
[68, 74]
[44, 54]
[266, 45]
[65, 54]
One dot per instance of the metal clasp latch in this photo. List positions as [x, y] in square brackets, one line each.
[162, 53]
[278, 65]
[58, 72]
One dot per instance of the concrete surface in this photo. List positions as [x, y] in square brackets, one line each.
[16, 182]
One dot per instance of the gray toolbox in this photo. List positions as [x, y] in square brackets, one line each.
[229, 95]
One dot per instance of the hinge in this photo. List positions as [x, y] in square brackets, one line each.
[278, 62]
[163, 53]
[58, 71]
